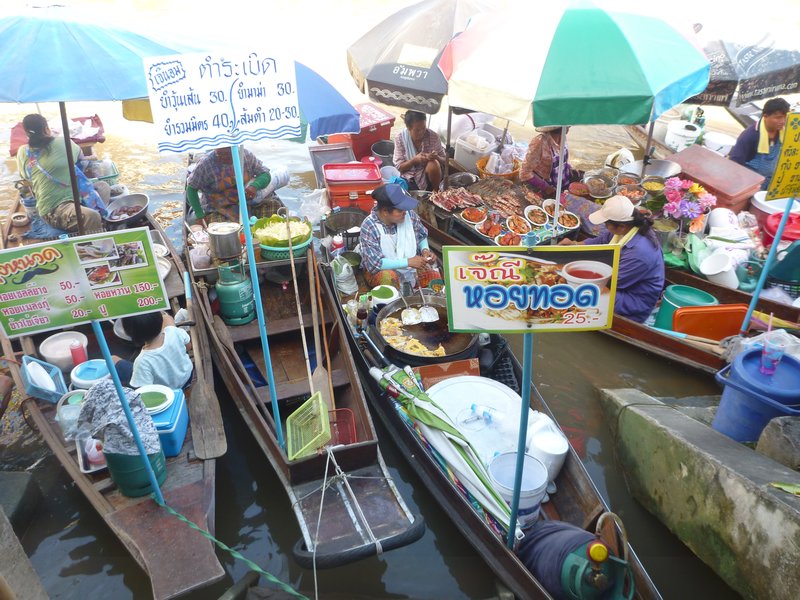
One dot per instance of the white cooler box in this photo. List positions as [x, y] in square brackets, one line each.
[467, 153]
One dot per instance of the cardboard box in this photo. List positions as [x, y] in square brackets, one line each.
[732, 183]
[376, 125]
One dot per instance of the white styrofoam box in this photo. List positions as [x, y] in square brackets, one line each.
[472, 146]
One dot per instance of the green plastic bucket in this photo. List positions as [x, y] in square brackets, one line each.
[129, 474]
[677, 296]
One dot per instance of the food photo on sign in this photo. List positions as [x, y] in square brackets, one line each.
[520, 290]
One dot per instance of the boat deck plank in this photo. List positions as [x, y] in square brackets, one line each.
[178, 558]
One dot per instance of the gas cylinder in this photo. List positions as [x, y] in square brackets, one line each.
[235, 293]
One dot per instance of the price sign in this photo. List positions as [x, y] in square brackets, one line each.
[208, 100]
[521, 290]
[67, 282]
[786, 179]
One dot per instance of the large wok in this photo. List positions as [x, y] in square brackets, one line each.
[457, 345]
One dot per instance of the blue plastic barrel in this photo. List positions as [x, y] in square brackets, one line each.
[751, 398]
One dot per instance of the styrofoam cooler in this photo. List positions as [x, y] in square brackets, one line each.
[172, 424]
[467, 154]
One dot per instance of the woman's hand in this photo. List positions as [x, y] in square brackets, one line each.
[250, 192]
[567, 242]
[417, 262]
[428, 255]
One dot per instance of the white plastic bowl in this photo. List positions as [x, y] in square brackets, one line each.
[167, 393]
[55, 349]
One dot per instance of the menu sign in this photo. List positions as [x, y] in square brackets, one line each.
[208, 100]
[786, 179]
[75, 280]
[520, 290]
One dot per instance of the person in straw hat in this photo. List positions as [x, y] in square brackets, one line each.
[640, 279]
[543, 164]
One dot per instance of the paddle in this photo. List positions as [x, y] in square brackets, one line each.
[320, 378]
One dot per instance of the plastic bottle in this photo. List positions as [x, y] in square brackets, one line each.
[337, 245]
[78, 352]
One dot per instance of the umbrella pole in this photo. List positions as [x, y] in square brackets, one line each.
[447, 147]
[503, 137]
[76, 197]
[773, 250]
[527, 368]
[647, 157]
[262, 327]
[557, 207]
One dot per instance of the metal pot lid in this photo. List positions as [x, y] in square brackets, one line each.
[223, 228]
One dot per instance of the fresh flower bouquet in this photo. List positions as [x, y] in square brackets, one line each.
[688, 203]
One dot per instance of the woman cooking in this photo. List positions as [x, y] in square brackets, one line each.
[394, 242]
[419, 154]
[640, 279]
[547, 156]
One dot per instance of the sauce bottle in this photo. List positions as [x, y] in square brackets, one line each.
[78, 352]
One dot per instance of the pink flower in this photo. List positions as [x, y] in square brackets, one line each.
[673, 195]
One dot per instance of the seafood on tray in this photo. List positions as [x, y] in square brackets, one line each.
[509, 238]
[474, 214]
[489, 228]
[518, 224]
[453, 198]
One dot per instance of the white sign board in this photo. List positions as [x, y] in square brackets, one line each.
[208, 100]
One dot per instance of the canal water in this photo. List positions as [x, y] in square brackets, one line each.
[77, 557]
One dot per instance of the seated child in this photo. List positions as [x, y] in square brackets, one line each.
[163, 359]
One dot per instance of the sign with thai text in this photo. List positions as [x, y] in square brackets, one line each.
[786, 178]
[520, 290]
[204, 101]
[75, 280]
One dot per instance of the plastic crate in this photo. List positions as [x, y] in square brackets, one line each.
[790, 287]
[37, 392]
[504, 373]
[273, 253]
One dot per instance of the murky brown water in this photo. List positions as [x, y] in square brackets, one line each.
[77, 557]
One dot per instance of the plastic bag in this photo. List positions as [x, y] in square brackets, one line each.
[314, 206]
[739, 344]
[344, 276]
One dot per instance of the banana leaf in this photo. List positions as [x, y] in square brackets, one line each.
[279, 241]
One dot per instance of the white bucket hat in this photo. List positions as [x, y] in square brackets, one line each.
[617, 208]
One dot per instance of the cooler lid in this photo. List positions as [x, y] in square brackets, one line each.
[351, 172]
[165, 421]
[373, 115]
[792, 230]
[709, 169]
[780, 386]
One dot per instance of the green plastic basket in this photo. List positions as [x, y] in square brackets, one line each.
[308, 428]
[272, 253]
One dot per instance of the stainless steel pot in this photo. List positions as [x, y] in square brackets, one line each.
[224, 240]
[140, 201]
[456, 345]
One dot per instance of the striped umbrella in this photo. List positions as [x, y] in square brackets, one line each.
[571, 63]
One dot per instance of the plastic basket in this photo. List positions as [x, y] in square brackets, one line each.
[343, 426]
[339, 221]
[503, 372]
[37, 392]
[307, 428]
[272, 253]
[111, 179]
[790, 287]
[481, 165]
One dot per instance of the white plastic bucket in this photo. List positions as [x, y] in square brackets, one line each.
[681, 134]
[549, 446]
[719, 269]
[534, 484]
[720, 143]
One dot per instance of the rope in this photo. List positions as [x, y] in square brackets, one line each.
[271, 578]
[319, 522]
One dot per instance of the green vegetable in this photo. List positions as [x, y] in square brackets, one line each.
[792, 488]
[382, 292]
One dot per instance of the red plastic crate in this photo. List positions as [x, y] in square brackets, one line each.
[376, 125]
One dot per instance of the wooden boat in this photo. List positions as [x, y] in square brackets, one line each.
[177, 559]
[345, 502]
[728, 296]
[577, 501]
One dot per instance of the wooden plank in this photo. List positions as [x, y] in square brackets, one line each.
[178, 558]
[242, 333]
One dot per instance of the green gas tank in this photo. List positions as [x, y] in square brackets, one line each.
[235, 294]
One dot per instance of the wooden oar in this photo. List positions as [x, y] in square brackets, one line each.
[320, 377]
[318, 286]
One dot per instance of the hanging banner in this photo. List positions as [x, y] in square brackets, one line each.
[521, 290]
[67, 282]
[786, 179]
[203, 101]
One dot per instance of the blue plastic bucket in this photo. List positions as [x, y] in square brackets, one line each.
[751, 399]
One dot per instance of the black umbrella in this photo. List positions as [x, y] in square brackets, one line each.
[742, 72]
[396, 62]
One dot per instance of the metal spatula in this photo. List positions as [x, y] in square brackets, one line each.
[427, 313]
[409, 316]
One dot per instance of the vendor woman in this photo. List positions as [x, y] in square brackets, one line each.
[759, 146]
[547, 159]
[394, 242]
[640, 279]
[418, 153]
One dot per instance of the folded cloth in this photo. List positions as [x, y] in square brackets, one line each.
[40, 230]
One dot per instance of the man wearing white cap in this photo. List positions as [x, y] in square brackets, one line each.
[640, 279]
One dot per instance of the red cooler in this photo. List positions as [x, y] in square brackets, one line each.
[376, 125]
[791, 232]
[348, 184]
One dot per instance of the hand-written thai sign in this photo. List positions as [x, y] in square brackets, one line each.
[786, 179]
[519, 290]
[204, 101]
[66, 282]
